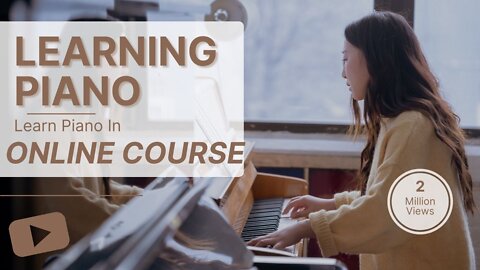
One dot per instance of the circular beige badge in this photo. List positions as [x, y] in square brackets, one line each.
[420, 201]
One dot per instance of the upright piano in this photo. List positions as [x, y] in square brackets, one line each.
[253, 204]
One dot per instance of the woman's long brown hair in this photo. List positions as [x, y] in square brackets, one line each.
[401, 80]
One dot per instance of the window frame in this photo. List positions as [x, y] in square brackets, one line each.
[405, 8]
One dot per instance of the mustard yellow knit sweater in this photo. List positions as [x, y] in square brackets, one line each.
[362, 224]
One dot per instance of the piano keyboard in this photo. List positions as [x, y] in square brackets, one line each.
[264, 218]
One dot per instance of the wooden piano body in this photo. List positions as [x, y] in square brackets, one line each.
[237, 197]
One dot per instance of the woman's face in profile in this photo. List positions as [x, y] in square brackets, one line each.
[355, 70]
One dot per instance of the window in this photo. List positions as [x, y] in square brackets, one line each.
[449, 34]
[293, 60]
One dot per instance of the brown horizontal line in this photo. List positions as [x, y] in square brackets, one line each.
[65, 113]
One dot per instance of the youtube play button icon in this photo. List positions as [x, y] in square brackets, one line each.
[39, 234]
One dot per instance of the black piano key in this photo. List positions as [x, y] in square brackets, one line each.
[253, 228]
[261, 215]
[246, 239]
[267, 219]
[265, 215]
[261, 210]
[253, 224]
[263, 219]
[266, 223]
[267, 203]
[250, 237]
[265, 209]
[257, 233]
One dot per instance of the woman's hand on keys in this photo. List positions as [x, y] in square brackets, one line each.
[301, 206]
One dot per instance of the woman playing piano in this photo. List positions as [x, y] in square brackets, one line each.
[408, 126]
